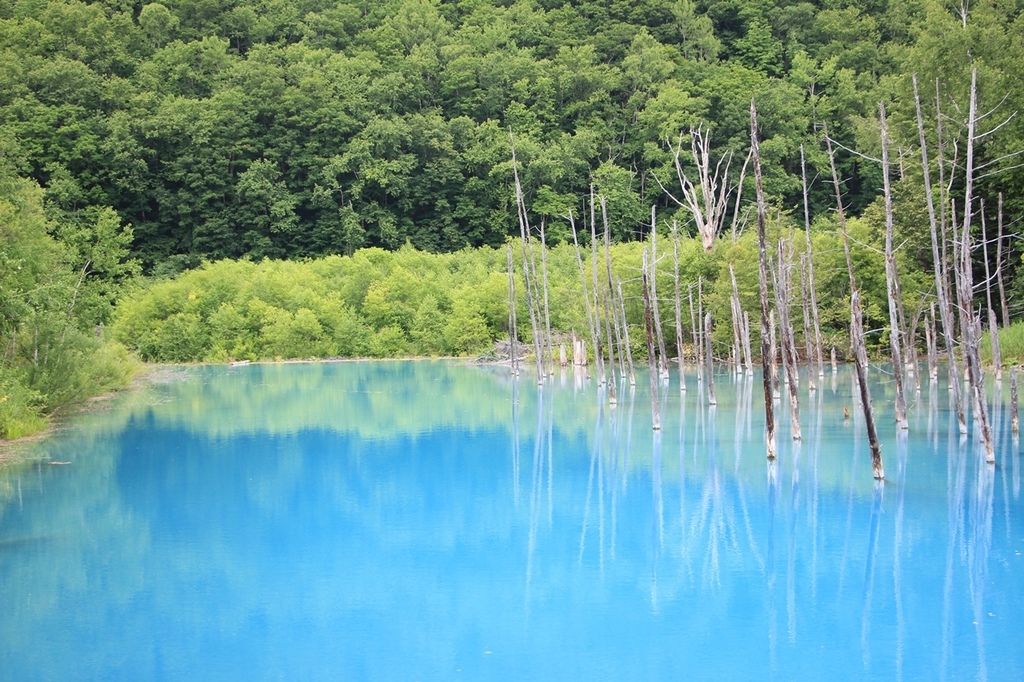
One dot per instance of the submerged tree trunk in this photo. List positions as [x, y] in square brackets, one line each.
[679, 308]
[999, 267]
[892, 283]
[709, 358]
[857, 329]
[625, 335]
[810, 269]
[769, 406]
[662, 355]
[583, 283]
[513, 331]
[651, 357]
[965, 286]
[788, 346]
[941, 280]
[524, 231]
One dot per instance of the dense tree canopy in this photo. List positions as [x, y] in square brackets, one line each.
[220, 129]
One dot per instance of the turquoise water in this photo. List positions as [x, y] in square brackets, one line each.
[430, 521]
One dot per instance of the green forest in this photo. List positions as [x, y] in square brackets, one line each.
[214, 180]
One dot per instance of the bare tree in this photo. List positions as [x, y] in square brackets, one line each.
[941, 279]
[651, 356]
[965, 284]
[860, 354]
[892, 280]
[706, 199]
[769, 407]
[679, 307]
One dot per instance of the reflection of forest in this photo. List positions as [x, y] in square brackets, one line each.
[396, 502]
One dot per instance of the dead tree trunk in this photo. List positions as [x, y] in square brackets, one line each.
[547, 309]
[604, 370]
[1014, 420]
[513, 331]
[941, 280]
[999, 267]
[524, 231]
[737, 321]
[651, 356]
[611, 286]
[679, 308]
[708, 200]
[810, 269]
[931, 330]
[709, 358]
[583, 282]
[965, 285]
[860, 354]
[786, 333]
[993, 328]
[625, 335]
[892, 283]
[769, 406]
[698, 351]
[662, 355]
[805, 305]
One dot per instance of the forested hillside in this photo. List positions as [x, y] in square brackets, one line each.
[284, 128]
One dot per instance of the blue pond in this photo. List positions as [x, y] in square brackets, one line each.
[432, 521]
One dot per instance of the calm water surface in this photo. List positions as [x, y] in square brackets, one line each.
[429, 521]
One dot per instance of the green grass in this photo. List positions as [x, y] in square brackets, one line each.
[1011, 345]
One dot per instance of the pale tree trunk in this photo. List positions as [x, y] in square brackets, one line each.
[662, 354]
[698, 350]
[609, 310]
[651, 357]
[513, 330]
[708, 199]
[679, 307]
[941, 281]
[1015, 421]
[769, 406]
[604, 371]
[737, 320]
[933, 352]
[892, 282]
[810, 269]
[857, 329]
[614, 310]
[993, 329]
[524, 231]
[625, 335]
[709, 358]
[805, 305]
[786, 338]
[547, 309]
[999, 267]
[583, 283]
[965, 286]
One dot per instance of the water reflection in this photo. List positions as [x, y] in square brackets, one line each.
[378, 515]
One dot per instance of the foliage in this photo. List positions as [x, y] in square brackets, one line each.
[292, 131]
[51, 296]
[377, 303]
